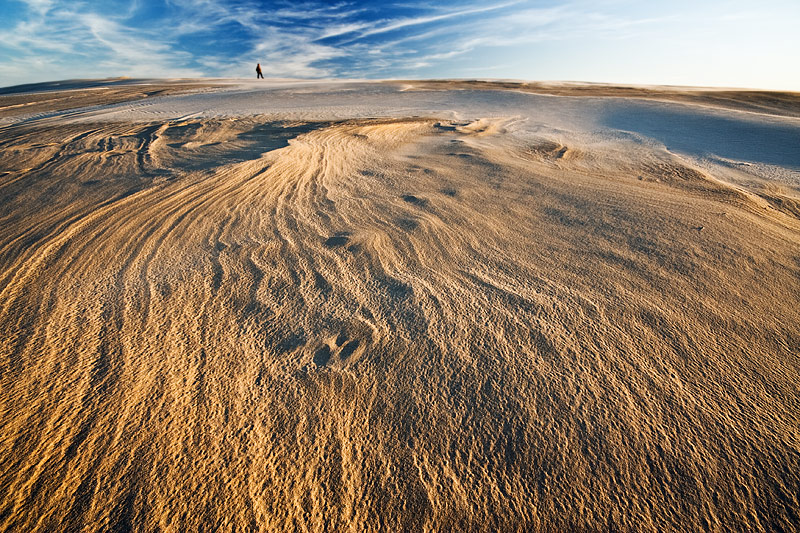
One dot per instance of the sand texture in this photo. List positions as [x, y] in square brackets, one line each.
[377, 307]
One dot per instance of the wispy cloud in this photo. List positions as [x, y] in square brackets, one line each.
[311, 40]
[49, 39]
[60, 42]
[416, 21]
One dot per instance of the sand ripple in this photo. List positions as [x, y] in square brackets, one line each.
[409, 324]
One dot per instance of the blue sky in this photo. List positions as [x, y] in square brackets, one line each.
[715, 42]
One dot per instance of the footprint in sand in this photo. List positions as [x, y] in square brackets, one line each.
[340, 239]
[348, 349]
[343, 346]
[411, 199]
[322, 355]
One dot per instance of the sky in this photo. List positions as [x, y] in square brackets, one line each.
[729, 43]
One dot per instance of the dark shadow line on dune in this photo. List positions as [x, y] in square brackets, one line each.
[700, 133]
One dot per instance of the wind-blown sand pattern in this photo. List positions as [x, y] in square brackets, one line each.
[317, 313]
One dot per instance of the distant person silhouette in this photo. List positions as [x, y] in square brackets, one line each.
[258, 72]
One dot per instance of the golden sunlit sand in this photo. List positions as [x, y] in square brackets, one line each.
[313, 313]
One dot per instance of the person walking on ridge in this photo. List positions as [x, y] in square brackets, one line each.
[258, 72]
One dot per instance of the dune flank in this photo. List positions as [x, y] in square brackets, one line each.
[321, 314]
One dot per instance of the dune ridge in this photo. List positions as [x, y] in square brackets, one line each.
[383, 324]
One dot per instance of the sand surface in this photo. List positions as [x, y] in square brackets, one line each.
[398, 306]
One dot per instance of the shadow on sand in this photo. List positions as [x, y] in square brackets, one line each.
[700, 133]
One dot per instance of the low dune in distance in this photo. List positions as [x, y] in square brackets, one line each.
[398, 306]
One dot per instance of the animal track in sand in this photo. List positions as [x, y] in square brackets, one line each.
[322, 355]
[340, 239]
[348, 349]
[340, 348]
[411, 199]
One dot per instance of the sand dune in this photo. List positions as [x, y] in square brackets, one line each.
[320, 314]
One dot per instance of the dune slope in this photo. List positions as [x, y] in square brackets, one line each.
[416, 324]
